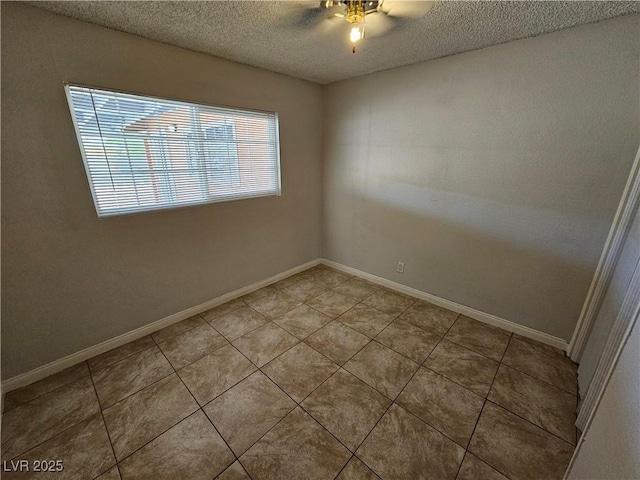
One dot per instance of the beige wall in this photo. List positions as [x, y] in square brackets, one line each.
[494, 175]
[71, 280]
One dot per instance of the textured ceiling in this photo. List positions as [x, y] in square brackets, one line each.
[281, 35]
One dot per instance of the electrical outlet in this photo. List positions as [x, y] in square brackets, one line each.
[400, 267]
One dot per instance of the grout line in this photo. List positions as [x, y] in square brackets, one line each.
[272, 427]
[481, 461]
[385, 412]
[520, 416]
[231, 386]
[425, 361]
[539, 379]
[308, 299]
[325, 356]
[133, 393]
[341, 365]
[323, 313]
[170, 427]
[497, 362]
[109, 469]
[224, 391]
[453, 381]
[176, 371]
[225, 314]
[500, 363]
[369, 434]
[266, 320]
[178, 323]
[354, 456]
[327, 430]
[309, 334]
[441, 339]
[387, 313]
[184, 332]
[298, 340]
[353, 328]
[278, 355]
[242, 467]
[474, 351]
[529, 421]
[103, 367]
[423, 364]
[437, 429]
[395, 351]
[483, 407]
[4, 412]
[60, 432]
[247, 358]
[244, 470]
[318, 386]
[555, 387]
[509, 334]
[344, 466]
[104, 423]
[157, 436]
[49, 438]
[100, 407]
[235, 457]
[403, 354]
[299, 404]
[463, 458]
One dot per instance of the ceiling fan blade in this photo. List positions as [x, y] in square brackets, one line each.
[406, 8]
[378, 24]
[313, 16]
[336, 10]
[330, 24]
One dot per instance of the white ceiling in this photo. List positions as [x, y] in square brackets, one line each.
[273, 34]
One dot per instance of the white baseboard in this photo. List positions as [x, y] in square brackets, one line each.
[455, 307]
[75, 358]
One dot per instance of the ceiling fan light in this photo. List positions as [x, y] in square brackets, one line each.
[357, 32]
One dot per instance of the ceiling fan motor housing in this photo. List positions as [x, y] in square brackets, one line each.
[355, 12]
[365, 7]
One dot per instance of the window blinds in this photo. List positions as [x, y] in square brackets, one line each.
[143, 153]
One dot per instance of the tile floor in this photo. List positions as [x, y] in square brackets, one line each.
[319, 376]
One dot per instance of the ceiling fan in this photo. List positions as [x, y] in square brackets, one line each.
[380, 16]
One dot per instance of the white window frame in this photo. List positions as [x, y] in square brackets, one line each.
[203, 173]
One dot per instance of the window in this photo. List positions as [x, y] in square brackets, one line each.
[143, 153]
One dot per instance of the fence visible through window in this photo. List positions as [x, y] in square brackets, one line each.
[143, 153]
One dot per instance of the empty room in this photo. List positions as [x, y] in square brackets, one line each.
[256, 240]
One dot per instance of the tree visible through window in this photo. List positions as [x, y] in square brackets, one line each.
[144, 153]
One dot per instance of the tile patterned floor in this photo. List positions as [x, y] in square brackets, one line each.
[319, 376]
